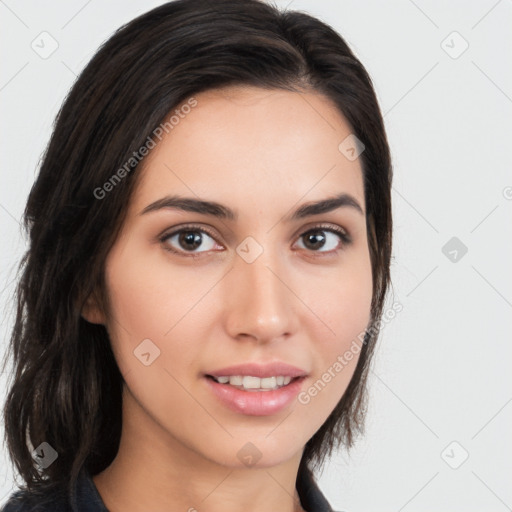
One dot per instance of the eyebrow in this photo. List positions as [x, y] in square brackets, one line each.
[221, 211]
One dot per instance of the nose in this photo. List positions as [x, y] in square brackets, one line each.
[260, 304]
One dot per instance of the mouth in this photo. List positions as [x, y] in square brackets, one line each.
[253, 384]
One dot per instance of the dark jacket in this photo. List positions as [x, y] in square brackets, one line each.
[87, 498]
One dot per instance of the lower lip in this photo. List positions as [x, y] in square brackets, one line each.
[256, 403]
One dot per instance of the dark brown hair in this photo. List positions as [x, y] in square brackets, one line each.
[66, 386]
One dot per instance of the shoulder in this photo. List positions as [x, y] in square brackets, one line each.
[23, 501]
[85, 498]
[311, 497]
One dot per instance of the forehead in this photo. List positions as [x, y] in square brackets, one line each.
[247, 144]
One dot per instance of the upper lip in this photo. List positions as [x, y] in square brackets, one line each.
[260, 370]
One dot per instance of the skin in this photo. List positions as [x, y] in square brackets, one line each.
[262, 153]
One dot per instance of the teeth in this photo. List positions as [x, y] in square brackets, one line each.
[236, 380]
[253, 383]
[268, 383]
[250, 383]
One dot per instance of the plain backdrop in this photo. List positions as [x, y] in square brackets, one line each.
[440, 415]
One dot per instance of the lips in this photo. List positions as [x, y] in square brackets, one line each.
[257, 402]
[260, 370]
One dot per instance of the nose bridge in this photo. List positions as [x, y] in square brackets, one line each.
[260, 303]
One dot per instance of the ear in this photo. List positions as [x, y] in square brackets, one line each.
[92, 312]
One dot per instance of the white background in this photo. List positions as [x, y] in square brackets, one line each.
[442, 371]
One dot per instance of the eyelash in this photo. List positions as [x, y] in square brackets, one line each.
[343, 235]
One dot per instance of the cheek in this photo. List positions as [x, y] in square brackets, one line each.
[150, 296]
[154, 326]
[148, 302]
[342, 303]
[344, 308]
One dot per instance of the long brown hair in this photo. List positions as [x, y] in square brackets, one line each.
[66, 386]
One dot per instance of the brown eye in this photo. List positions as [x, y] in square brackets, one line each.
[322, 239]
[188, 240]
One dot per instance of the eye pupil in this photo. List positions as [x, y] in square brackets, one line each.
[314, 237]
[190, 237]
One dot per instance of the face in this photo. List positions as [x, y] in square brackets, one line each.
[193, 292]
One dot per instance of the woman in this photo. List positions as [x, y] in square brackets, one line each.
[210, 241]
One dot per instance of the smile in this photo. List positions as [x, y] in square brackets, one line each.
[251, 383]
[255, 400]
